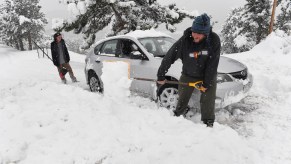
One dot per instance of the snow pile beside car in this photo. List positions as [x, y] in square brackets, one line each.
[268, 126]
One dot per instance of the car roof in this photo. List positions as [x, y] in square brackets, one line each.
[146, 34]
[137, 34]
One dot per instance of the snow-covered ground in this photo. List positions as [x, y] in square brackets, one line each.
[44, 121]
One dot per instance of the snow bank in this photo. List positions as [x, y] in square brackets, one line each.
[45, 121]
[268, 127]
[270, 63]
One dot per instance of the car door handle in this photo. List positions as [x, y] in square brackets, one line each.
[97, 61]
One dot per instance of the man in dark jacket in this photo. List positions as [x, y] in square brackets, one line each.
[199, 50]
[61, 57]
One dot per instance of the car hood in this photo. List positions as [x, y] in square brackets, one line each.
[228, 65]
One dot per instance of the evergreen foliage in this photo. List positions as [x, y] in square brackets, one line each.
[122, 16]
[231, 31]
[246, 26]
[21, 22]
[284, 17]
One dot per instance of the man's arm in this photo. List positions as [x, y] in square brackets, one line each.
[54, 55]
[66, 51]
[212, 63]
[172, 55]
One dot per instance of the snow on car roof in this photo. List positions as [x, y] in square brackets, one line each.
[146, 33]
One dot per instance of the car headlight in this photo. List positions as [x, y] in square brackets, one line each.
[223, 78]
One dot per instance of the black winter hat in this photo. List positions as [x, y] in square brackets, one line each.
[56, 35]
[201, 24]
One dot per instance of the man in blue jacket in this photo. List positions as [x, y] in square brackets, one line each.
[61, 57]
[199, 50]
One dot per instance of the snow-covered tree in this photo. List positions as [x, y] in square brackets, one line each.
[8, 26]
[122, 16]
[248, 26]
[21, 21]
[74, 45]
[283, 21]
[232, 40]
[32, 21]
[257, 17]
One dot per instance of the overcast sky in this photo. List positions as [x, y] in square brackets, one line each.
[218, 9]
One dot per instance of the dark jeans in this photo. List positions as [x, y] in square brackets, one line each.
[69, 68]
[207, 99]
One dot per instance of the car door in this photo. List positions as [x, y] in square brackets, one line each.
[123, 50]
[139, 65]
[103, 52]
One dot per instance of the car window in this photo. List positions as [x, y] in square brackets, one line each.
[149, 45]
[158, 46]
[109, 48]
[97, 49]
[126, 48]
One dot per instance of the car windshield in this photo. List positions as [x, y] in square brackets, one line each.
[158, 46]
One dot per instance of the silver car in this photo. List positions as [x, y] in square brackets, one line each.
[144, 50]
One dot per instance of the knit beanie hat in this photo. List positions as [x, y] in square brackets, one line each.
[201, 24]
[56, 35]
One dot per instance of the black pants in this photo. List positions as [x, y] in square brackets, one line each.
[207, 99]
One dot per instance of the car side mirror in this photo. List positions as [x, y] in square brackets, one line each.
[136, 55]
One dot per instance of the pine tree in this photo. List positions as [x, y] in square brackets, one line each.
[21, 21]
[231, 30]
[122, 16]
[249, 25]
[34, 26]
[284, 18]
[257, 16]
[8, 26]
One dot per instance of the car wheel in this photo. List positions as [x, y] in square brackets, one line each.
[168, 96]
[94, 83]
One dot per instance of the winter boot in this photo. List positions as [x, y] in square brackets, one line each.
[64, 80]
[74, 80]
[209, 123]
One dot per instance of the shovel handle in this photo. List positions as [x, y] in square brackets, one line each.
[195, 84]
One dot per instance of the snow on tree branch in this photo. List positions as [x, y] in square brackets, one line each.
[121, 16]
[23, 19]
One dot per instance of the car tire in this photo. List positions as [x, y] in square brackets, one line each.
[168, 96]
[94, 82]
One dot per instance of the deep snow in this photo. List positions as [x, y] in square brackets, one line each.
[45, 121]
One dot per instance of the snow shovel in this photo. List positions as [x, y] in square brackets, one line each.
[196, 85]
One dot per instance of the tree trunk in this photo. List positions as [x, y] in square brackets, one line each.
[16, 45]
[29, 41]
[20, 44]
[272, 17]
